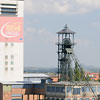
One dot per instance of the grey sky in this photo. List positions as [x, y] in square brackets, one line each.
[43, 18]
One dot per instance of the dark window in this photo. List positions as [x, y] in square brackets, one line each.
[63, 89]
[57, 89]
[53, 89]
[48, 88]
[8, 9]
[69, 89]
[52, 99]
[5, 13]
[76, 91]
[8, 4]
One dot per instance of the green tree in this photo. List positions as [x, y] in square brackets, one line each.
[99, 76]
[82, 74]
[77, 73]
[88, 78]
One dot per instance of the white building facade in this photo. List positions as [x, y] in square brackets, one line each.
[11, 40]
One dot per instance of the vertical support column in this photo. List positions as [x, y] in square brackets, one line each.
[22, 97]
[28, 97]
[39, 96]
[73, 39]
[33, 96]
[58, 57]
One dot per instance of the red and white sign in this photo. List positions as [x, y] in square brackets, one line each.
[11, 29]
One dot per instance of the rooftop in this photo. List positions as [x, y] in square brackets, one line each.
[36, 75]
[75, 83]
[66, 30]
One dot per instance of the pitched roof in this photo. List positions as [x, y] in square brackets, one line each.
[66, 30]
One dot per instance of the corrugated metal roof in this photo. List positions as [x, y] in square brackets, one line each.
[20, 82]
[36, 75]
[75, 83]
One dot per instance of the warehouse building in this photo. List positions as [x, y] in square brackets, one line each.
[72, 91]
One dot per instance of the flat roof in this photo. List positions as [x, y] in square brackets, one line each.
[75, 83]
[19, 82]
[36, 75]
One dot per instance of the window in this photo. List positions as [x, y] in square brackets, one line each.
[85, 89]
[98, 88]
[53, 89]
[68, 99]
[48, 88]
[12, 57]
[9, 9]
[22, 86]
[6, 57]
[5, 13]
[52, 99]
[57, 89]
[76, 91]
[6, 44]
[69, 89]
[81, 99]
[6, 62]
[12, 63]
[16, 95]
[12, 44]
[74, 98]
[6, 68]
[12, 68]
[8, 4]
[87, 99]
[62, 89]
[94, 88]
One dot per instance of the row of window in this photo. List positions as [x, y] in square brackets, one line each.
[11, 44]
[70, 99]
[11, 57]
[6, 68]
[6, 63]
[16, 95]
[73, 90]
[22, 86]
[6, 11]
[39, 86]
[55, 89]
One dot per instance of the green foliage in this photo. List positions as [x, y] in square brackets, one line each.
[88, 78]
[99, 76]
[77, 74]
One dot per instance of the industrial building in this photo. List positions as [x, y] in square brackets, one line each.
[72, 90]
[11, 40]
[16, 86]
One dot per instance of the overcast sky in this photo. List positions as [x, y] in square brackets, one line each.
[43, 18]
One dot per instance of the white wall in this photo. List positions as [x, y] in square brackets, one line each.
[17, 51]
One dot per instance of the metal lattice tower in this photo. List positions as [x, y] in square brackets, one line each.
[65, 49]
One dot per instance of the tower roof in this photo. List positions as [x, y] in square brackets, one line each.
[66, 30]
